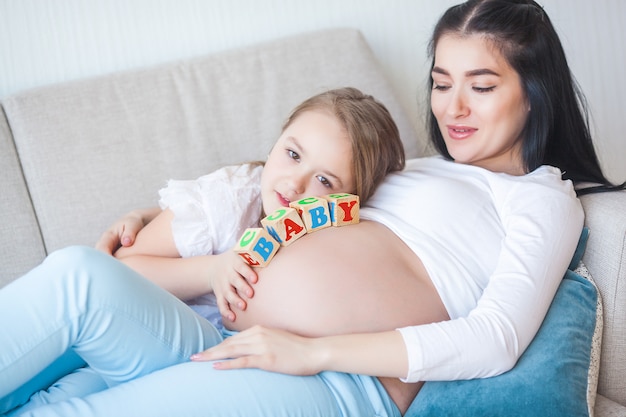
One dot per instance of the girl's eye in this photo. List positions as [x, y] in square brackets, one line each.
[484, 89]
[324, 181]
[293, 155]
[440, 87]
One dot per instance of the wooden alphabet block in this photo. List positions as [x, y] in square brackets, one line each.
[314, 212]
[256, 246]
[343, 208]
[285, 225]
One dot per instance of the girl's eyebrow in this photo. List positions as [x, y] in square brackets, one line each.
[302, 152]
[295, 143]
[337, 181]
[472, 73]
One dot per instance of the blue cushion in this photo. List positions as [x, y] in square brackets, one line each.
[550, 378]
[580, 249]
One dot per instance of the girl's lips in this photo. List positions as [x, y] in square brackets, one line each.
[460, 132]
[282, 200]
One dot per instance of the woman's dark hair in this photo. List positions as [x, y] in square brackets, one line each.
[557, 129]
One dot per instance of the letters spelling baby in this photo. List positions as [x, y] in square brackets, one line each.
[258, 245]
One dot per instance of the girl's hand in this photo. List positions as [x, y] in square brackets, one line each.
[124, 231]
[230, 282]
[268, 349]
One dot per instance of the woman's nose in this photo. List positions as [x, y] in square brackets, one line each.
[457, 107]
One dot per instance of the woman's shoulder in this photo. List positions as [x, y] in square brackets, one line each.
[544, 181]
[542, 192]
[547, 179]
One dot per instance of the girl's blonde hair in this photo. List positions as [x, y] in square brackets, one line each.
[376, 146]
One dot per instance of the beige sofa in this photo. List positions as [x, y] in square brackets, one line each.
[75, 156]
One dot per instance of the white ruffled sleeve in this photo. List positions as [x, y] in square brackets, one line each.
[211, 212]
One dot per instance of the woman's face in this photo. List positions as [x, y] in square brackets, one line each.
[312, 157]
[479, 104]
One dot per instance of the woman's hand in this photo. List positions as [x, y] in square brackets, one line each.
[268, 349]
[230, 281]
[124, 231]
[381, 354]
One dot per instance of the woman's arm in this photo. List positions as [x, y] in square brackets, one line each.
[379, 354]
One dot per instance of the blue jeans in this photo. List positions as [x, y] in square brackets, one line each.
[83, 335]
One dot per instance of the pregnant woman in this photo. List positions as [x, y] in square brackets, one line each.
[448, 276]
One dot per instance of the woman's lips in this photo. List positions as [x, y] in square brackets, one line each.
[460, 132]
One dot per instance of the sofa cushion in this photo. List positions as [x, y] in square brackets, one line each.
[556, 376]
[95, 149]
[20, 241]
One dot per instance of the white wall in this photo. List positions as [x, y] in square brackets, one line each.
[47, 41]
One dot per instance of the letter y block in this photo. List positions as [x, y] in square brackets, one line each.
[344, 208]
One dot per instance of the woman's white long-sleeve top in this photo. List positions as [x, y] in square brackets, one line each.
[496, 247]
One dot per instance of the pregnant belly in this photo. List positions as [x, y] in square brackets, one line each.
[358, 278]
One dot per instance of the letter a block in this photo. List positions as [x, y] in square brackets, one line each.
[257, 247]
[285, 225]
[314, 212]
[344, 208]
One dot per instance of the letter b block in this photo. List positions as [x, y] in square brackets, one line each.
[285, 225]
[344, 208]
[314, 213]
[256, 246]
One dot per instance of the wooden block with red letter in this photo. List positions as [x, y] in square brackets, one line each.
[314, 213]
[256, 246]
[285, 225]
[343, 208]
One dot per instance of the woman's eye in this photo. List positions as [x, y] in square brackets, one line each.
[484, 89]
[324, 181]
[293, 155]
[441, 87]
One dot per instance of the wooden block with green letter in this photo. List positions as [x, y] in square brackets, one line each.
[256, 246]
[314, 213]
[285, 225]
[343, 208]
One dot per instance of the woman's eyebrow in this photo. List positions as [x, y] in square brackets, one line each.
[471, 73]
[481, 71]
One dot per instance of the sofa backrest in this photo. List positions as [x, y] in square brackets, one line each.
[605, 258]
[94, 149]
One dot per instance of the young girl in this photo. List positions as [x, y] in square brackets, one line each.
[338, 141]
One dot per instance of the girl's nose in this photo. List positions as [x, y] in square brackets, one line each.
[297, 184]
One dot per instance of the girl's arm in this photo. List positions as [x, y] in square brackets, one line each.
[379, 354]
[125, 229]
[155, 256]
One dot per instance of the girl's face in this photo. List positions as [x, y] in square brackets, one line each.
[479, 104]
[312, 157]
